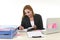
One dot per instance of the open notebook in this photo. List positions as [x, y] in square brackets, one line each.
[25, 30]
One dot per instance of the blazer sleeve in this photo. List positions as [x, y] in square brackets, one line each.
[23, 22]
[40, 22]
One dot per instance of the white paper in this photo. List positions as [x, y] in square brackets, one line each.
[34, 33]
[7, 27]
[24, 30]
[29, 27]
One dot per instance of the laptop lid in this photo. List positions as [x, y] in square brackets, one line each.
[53, 25]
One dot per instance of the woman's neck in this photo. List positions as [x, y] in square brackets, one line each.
[31, 18]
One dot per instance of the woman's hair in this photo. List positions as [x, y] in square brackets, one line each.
[29, 8]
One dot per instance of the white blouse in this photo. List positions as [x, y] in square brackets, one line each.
[32, 23]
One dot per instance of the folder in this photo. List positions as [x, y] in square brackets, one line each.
[8, 32]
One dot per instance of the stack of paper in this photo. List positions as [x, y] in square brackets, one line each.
[35, 33]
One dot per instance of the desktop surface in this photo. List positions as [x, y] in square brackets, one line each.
[23, 36]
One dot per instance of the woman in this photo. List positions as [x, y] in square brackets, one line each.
[30, 19]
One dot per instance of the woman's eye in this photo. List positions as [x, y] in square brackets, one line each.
[28, 12]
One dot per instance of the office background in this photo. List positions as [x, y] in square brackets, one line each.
[11, 10]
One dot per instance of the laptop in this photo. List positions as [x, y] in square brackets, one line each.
[53, 26]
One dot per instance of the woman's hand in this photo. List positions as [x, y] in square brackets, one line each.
[35, 27]
[21, 27]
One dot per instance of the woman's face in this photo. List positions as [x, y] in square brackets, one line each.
[28, 12]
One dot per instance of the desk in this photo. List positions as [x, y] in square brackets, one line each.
[23, 36]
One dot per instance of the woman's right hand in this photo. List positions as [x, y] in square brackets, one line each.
[21, 27]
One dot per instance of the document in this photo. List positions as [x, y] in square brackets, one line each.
[36, 34]
[25, 30]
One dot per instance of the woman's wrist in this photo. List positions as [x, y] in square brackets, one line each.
[21, 27]
[34, 27]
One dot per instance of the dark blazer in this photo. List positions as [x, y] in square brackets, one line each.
[37, 21]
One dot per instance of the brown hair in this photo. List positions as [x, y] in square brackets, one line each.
[27, 7]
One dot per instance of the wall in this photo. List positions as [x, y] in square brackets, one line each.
[11, 10]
